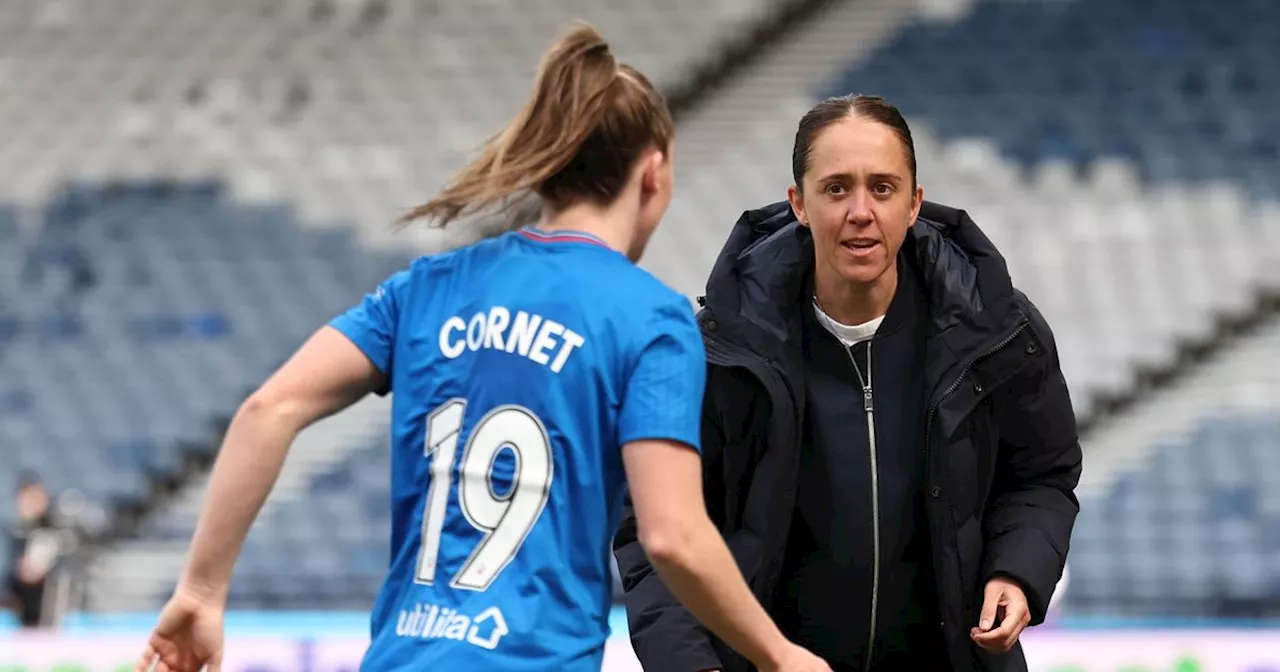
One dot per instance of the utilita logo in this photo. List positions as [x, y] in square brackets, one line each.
[429, 621]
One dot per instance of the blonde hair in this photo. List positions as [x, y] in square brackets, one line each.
[586, 122]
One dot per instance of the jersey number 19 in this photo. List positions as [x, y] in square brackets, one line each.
[505, 519]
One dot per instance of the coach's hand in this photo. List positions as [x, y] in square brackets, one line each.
[187, 638]
[1005, 615]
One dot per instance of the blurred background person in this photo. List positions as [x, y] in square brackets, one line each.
[33, 544]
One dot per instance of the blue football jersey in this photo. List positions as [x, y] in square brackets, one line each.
[519, 367]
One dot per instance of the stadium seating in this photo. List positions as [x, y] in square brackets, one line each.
[338, 534]
[1135, 205]
[137, 312]
[352, 109]
[1191, 103]
[1195, 533]
[1149, 204]
[1179, 501]
[346, 110]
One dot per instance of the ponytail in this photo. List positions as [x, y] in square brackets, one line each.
[584, 125]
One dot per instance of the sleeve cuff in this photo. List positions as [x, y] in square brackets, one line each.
[1027, 557]
[348, 328]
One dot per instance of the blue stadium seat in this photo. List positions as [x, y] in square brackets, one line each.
[1200, 525]
[1189, 74]
[9, 228]
[143, 309]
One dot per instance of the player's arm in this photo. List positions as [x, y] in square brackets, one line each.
[325, 376]
[686, 549]
[660, 431]
[338, 365]
[664, 634]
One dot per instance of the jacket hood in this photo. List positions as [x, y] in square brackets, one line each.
[760, 276]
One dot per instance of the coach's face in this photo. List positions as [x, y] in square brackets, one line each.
[858, 198]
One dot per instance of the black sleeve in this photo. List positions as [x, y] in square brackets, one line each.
[1033, 505]
[14, 546]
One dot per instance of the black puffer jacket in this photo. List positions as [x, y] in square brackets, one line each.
[1002, 456]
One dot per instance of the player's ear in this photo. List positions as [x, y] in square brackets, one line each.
[651, 166]
[918, 200]
[796, 198]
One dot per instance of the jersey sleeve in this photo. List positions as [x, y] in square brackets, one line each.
[371, 324]
[663, 398]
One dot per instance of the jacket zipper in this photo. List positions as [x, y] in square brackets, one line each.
[868, 405]
[933, 409]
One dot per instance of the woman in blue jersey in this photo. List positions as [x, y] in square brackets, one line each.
[535, 376]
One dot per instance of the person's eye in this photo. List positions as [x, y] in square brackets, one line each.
[835, 189]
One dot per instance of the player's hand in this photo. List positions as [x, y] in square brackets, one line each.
[798, 659]
[1005, 615]
[187, 638]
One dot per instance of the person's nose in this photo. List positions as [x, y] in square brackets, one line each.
[860, 213]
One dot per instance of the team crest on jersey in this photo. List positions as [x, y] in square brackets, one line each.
[429, 621]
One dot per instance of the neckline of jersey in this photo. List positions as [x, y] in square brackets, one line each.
[540, 235]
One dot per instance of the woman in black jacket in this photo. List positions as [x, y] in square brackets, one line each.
[28, 570]
[889, 445]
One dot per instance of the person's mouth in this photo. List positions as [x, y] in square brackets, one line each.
[860, 247]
